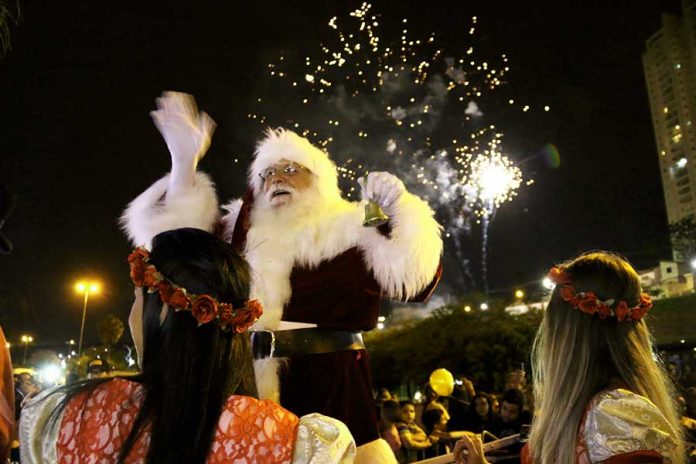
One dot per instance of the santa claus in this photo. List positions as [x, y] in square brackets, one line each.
[318, 271]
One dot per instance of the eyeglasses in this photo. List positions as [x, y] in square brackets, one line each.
[287, 169]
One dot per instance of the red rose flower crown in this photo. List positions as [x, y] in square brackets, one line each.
[204, 308]
[589, 303]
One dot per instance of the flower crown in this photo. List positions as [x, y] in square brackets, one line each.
[204, 308]
[588, 303]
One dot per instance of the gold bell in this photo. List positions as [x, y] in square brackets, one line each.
[374, 216]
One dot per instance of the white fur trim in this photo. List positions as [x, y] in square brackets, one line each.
[147, 215]
[377, 451]
[273, 248]
[267, 373]
[229, 220]
[405, 263]
[281, 144]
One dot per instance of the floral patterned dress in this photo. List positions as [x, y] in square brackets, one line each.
[94, 427]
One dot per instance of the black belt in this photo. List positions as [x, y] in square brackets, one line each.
[299, 342]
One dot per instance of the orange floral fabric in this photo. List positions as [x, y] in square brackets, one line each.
[94, 428]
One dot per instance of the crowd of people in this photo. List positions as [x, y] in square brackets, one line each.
[417, 431]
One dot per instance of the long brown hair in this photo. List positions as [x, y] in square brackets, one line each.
[576, 355]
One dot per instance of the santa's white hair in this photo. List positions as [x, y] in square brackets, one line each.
[279, 144]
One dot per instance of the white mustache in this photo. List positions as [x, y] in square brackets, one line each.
[278, 188]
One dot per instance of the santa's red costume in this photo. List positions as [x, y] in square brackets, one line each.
[318, 271]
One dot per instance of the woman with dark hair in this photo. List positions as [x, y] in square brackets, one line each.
[602, 395]
[194, 400]
[479, 416]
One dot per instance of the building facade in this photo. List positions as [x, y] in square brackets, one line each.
[669, 279]
[669, 64]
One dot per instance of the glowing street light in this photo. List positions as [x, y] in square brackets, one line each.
[519, 294]
[85, 288]
[26, 339]
[484, 306]
[547, 283]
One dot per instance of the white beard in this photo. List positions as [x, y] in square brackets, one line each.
[278, 238]
[305, 231]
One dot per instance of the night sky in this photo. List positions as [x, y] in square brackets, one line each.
[77, 142]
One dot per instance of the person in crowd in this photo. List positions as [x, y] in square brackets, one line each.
[437, 427]
[457, 404]
[194, 400]
[98, 368]
[479, 416]
[25, 388]
[390, 417]
[413, 438]
[8, 433]
[688, 420]
[383, 395]
[690, 402]
[302, 239]
[495, 403]
[435, 424]
[431, 401]
[516, 379]
[602, 395]
[512, 414]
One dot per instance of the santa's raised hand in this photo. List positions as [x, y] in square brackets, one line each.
[187, 133]
[383, 188]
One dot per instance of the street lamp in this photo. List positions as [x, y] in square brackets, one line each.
[26, 339]
[85, 288]
[547, 283]
[519, 294]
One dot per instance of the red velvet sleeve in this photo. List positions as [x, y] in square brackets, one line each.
[636, 457]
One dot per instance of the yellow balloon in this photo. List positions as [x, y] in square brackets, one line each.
[442, 382]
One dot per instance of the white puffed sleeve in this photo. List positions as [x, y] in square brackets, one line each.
[621, 422]
[37, 441]
[323, 440]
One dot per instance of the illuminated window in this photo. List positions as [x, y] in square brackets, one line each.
[676, 134]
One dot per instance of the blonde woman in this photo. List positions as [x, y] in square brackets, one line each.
[602, 396]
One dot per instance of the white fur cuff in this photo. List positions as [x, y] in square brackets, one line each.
[405, 263]
[153, 211]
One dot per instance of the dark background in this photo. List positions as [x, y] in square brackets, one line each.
[77, 143]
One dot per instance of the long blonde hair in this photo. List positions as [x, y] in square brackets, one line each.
[577, 355]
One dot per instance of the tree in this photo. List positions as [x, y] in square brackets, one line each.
[683, 236]
[481, 345]
[110, 330]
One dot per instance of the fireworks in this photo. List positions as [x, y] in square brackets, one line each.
[401, 105]
[493, 181]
